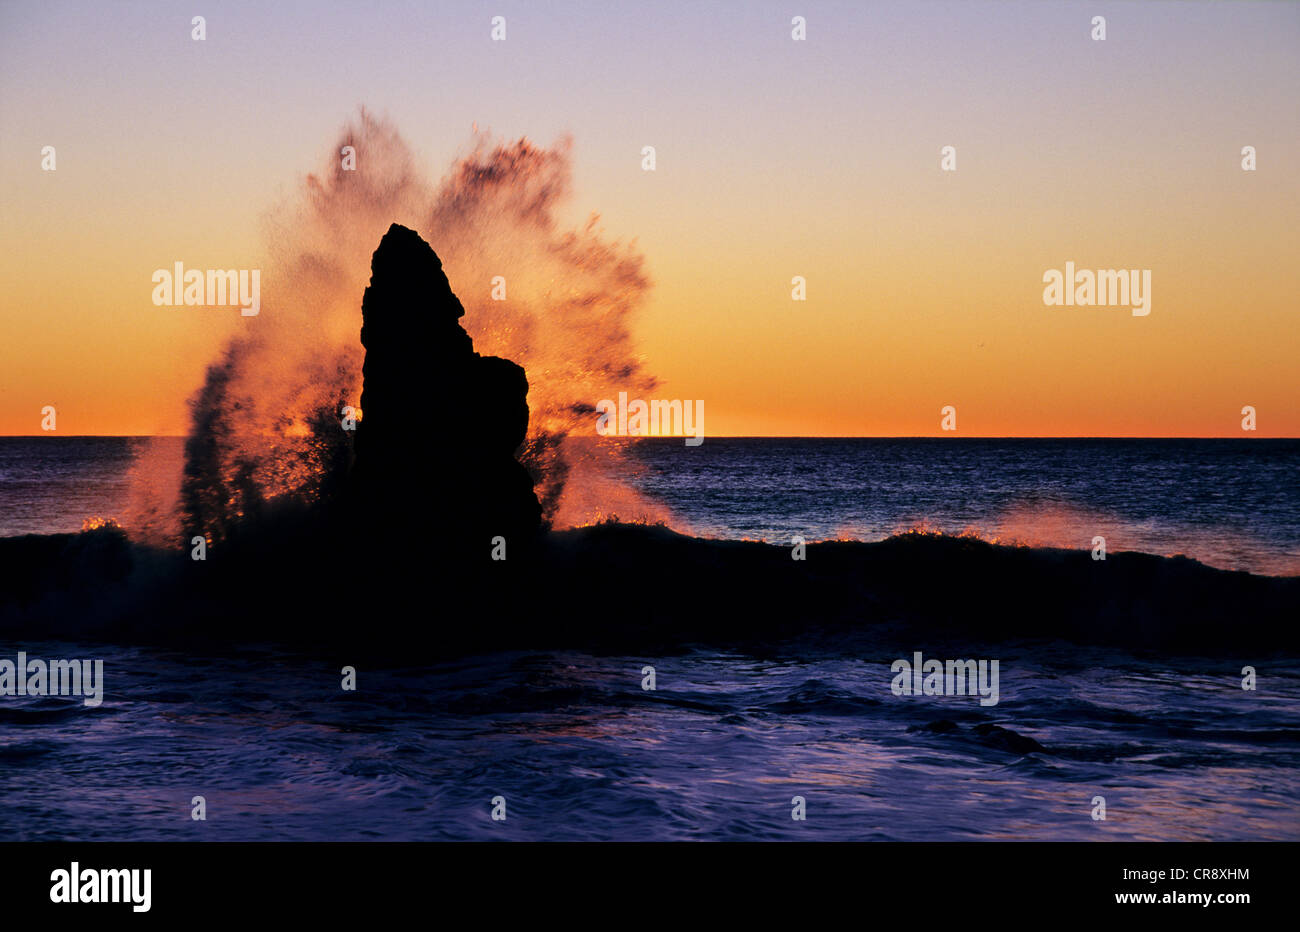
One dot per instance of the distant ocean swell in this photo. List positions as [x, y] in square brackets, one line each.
[1230, 504]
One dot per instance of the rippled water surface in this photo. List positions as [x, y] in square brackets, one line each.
[580, 751]
[1234, 504]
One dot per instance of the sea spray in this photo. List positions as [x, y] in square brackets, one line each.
[266, 424]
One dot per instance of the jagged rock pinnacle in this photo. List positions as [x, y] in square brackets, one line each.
[440, 424]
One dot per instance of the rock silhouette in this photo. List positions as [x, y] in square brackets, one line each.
[440, 424]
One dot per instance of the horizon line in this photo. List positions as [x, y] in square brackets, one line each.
[55, 435]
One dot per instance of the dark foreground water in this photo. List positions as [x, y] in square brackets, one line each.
[579, 750]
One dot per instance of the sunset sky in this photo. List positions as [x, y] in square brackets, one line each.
[776, 158]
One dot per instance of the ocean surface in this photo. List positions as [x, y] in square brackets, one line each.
[720, 748]
[1234, 504]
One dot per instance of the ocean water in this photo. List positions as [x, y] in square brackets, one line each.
[51, 485]
[579, 750]
[1234, 504]
[719, 750]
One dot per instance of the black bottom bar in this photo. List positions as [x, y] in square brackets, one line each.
[646, 882]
